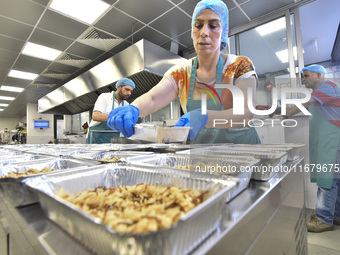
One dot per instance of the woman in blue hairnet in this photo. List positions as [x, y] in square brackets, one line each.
[197, 78]
[99, 131]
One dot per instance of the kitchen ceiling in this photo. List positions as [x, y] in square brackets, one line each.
[162, 22]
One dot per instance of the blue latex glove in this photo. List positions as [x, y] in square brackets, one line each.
[123, 119]
[193, 119]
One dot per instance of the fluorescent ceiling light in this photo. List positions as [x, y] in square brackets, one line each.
[7, 98]
[283, 55]
[271, 27]
[12, 89]
[22, 75]
[1, 110]
[85, 10]
[39, 51]
[4, 105]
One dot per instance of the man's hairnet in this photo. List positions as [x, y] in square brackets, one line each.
[315, 69]
[221, 10]
[125, 81]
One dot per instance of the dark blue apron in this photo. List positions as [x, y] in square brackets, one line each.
[98, 137]
[218, 135]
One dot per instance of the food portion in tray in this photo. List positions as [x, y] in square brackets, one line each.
[30, 171]
[114, 159]
[137, 208]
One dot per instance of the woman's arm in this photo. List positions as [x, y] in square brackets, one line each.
[231, 120]
[158, 97]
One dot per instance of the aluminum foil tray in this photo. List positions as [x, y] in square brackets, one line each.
[270, 161]
[7, 152]
[161, 147]
[119, 155]
[294, 150]
[58, 151]
[159, 134]
[239, 167]
[18, 158]
[15, 191]
[181, 238]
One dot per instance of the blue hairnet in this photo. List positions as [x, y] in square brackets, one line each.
[221, 10]
[315, 69]
[125, 81]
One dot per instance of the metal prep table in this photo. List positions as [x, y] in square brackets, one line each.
[266, 218]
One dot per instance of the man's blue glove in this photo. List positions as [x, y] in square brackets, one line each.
[193, 119]
[123, 119]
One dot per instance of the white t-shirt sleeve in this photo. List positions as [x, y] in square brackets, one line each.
[103, 103]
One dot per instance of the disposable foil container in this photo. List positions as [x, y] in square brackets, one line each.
[159, 134]
[181, 238]
[119, 155]
[294, 150]
[270, 161]
[18, 158]
[229, 167]
[17, 193]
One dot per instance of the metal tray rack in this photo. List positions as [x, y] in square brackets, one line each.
[270, 161]
[181, 238]
[14, 189]
[230, 167]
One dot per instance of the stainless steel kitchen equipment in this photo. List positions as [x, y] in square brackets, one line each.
[150, 62]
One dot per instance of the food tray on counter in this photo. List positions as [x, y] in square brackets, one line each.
[7, 152]
[270, 161]
[229, 167]
[110, 156]
[293, 149]
[160, 134]
[20, 157]
[14, 189]
[159, 147]
[180, 238]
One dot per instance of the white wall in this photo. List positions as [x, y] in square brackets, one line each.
[9, 123]
[37, 135]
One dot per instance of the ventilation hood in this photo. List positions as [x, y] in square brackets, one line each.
[143, 62]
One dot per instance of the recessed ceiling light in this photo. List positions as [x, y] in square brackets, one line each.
[22, 75]
[4, 105]
[271, 27]
[85, 10]
[283, 55]
[39, 51]
[7, 98]
[12, 89]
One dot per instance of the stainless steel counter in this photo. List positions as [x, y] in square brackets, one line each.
[266, 218]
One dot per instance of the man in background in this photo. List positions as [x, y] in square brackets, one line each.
[105, 103]
[324, 141]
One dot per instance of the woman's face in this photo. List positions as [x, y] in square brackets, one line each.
[207, 32]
